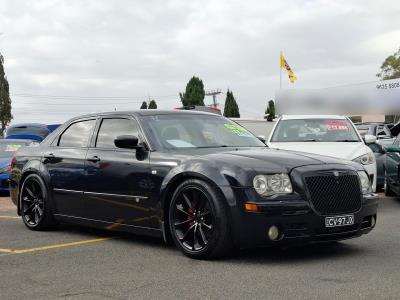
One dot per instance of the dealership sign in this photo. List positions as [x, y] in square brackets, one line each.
[379, 97]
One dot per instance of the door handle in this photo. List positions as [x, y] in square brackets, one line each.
[49, 156]
[94, 159]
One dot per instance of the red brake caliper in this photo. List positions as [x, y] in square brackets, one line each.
[190, 212]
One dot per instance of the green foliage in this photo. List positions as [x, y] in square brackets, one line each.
[194, 92]
[270, 112]
[231, 109]
[390, 68]
[5, 101]
[152, 104]
[144, 105]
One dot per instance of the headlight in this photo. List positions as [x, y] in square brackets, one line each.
[5, 169]
[365, 184]
[365, 159]
[272, 184]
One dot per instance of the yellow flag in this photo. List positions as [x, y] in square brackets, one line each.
[285, 65]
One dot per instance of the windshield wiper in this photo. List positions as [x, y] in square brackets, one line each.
[310, 140]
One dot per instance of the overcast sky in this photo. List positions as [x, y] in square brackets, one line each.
[84, 56]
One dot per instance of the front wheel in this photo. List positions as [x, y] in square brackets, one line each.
[198, 220]
[35, 210]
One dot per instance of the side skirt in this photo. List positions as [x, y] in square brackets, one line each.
[110, 226]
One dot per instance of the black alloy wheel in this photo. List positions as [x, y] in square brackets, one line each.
[34, 201]
[198, 220]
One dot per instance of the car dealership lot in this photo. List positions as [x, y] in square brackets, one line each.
[81, 263]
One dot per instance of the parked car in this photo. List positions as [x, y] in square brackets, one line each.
[30, 131]
[7, 150]
[195, 178]
[380, 157]
[380, 130]
[328, 135]
[392, 169]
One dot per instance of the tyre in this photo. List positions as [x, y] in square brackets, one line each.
[198, 220]
[35, 209]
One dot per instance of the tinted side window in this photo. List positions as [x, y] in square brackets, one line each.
[77, 135]
[110, 129]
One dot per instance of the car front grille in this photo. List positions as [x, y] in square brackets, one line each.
[330, 194]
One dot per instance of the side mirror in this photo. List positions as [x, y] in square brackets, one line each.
[393, 148]
[369, 139]
[261, 138]
[127, 142]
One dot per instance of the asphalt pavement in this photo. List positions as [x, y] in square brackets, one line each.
[79, 263]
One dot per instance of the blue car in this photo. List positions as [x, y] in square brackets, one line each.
[30, 131]
[7, 148]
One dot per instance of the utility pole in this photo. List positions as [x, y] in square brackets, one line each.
[214, 94]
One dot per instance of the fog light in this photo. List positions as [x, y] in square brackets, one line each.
[373, 221]
[273, 233]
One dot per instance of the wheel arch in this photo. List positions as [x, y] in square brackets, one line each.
[169, 190]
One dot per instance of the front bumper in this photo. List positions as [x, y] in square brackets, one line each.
[298, 223]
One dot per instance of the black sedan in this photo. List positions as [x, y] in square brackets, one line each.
[197, 179]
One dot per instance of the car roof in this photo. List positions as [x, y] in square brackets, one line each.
[301, 117]
[28, 125]
[147, 112]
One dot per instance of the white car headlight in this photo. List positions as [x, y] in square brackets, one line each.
[365, 159]
[365, 183]
[267, 185]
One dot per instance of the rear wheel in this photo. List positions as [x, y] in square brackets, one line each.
[35, 210]
[198, 220]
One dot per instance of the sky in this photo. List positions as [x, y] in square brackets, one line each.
[66, 58]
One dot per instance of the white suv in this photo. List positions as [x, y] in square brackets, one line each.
[328, 135]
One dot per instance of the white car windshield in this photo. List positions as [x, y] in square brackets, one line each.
[315, 130]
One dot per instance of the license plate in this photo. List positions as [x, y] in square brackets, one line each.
[337, 221]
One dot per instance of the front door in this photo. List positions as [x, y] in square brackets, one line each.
[65, 161]
[116, 179]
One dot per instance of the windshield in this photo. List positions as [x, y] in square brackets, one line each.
[175, 131]
[8, 149]
[315, 130]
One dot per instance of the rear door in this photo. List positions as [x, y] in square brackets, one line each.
[117, 180]
[65, 161]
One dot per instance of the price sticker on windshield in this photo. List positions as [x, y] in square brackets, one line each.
[236, 129]
[12, 147]
[337, 125]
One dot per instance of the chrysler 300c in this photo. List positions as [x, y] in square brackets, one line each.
[196, 179]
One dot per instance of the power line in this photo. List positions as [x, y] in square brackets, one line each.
[79, 97]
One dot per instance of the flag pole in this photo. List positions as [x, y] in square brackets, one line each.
[280, 71]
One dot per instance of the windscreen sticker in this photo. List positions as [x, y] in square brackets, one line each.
[236, 129]
[337, 125]
[12, 147]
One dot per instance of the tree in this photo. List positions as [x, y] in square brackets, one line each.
[5, 100]
[152, 104]
[194, 92]
[144, 105]
[231, 109]
[390, 68]
[270, 112]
